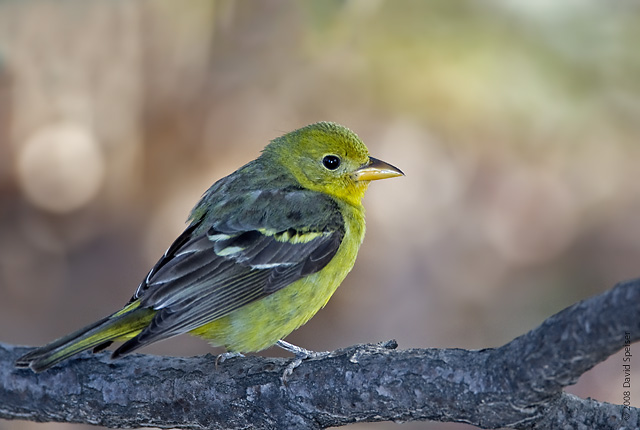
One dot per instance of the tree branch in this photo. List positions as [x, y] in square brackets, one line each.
[518, 385]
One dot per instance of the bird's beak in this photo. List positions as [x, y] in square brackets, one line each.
[376, 169]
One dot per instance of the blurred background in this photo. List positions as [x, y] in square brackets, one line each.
[517, 125]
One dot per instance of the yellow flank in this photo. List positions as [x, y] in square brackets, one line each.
[262, 323]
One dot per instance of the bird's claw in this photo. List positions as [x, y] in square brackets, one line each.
[221, 358]
[301, 355]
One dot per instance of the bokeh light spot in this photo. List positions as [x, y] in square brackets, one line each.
[60, 167]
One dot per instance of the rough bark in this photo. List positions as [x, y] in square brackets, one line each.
[519, 385]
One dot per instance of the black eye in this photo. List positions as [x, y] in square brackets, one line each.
[331, 162]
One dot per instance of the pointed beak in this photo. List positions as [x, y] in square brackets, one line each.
[376, 169]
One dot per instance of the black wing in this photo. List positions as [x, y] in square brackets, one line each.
[229, 258]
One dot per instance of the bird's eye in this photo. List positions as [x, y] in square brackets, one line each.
[331, 162]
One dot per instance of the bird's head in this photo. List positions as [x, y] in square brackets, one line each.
[331, 159]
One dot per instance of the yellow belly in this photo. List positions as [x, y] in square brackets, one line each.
[262, 323]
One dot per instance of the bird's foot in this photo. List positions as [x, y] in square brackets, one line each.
[221, 358]
[301, 355]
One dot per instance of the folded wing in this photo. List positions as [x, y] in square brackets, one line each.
[227, 259]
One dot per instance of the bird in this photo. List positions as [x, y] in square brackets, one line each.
[264, 250]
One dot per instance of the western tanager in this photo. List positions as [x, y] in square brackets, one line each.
[265, 249]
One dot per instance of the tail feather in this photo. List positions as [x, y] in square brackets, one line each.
[118, 326]
[102, 346]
